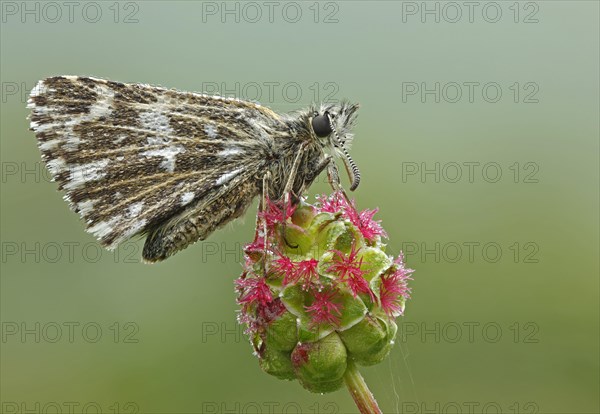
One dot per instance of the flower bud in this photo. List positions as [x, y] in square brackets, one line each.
[320, 365]
[318, 291]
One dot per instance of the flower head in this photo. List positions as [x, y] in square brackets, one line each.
[318, 289]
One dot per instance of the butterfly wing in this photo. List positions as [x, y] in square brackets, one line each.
[132, 158]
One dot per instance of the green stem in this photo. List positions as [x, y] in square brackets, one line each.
[360, 392]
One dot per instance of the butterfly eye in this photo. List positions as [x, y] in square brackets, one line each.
[321, 125]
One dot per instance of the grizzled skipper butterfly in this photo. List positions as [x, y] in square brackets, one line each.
[174, 166]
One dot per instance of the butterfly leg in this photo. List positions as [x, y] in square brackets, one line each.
[320, 167]
[262, 207]
[289, 186]
[334, 179]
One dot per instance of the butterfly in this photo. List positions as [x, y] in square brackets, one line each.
[173, 166]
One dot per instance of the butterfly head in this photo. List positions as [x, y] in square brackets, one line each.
[332, 125]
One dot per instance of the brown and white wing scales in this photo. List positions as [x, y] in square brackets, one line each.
[137, 159]
[197, 223]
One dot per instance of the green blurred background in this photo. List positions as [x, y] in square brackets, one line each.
[504, 314]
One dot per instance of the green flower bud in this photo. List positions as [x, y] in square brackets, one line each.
[277, 363]
[320, 365]
[282, 333]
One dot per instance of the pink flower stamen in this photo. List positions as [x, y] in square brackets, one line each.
[348, 269]
[276, 212]
[334, 203]
[254, 290]
[286, 267]
[304, 271]
[394, 289]
[257, 246]
[368, 227]
[324, 309]
[307, 272]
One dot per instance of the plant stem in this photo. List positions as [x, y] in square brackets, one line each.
[360, 392]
